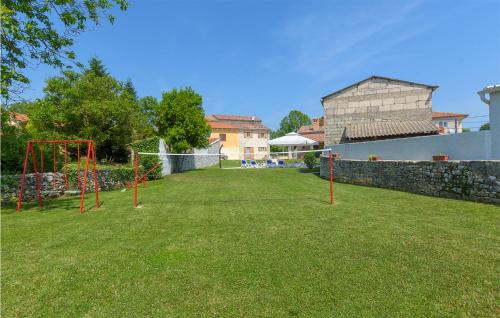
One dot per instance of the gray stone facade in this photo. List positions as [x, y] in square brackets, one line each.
[375, 99]
[469, 180]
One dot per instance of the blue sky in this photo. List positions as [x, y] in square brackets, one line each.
[266, 58]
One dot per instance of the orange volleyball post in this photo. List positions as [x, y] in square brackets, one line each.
[331, 177]
[136, 180]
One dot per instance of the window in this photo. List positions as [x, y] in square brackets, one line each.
[262, 135]
[222, 137]
[248, 134]
[262, 149]
[445, 124]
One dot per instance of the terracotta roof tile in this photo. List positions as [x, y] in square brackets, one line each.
[235, 117]
[222, 125]
[447, 115]
[310, 129]
[320, 137]
[19, 117]
[235, 125]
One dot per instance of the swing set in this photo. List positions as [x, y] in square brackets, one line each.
[82, 185]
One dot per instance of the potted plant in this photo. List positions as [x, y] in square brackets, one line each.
[373, 158]
[440, 157]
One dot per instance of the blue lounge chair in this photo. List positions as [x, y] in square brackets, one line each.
[281, 164]
[244, 164]
[253, 164]
[270, 164]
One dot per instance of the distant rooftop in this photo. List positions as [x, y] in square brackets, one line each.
[436, 115]
[216, 117]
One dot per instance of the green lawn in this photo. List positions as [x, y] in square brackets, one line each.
[252, 242]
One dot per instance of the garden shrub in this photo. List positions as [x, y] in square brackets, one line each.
[118, 174]
[310, 160]
[148, 162]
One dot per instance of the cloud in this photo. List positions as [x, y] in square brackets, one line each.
[335, 41]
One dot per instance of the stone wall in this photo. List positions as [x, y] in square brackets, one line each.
[469, 180]
[375, 99]
[53, 185]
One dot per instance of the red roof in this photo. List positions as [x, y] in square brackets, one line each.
[230, 125]
[19, 117]
[320, 137]
[235, 122]
[310, 129]
[222, 125]
[447, 115]
[235, 117]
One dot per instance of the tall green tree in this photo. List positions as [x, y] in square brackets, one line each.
[89, 105]
[96, 67]
[148, 106]
[293, 121]
[130, 88]
[180, 120]
[43, 32]
[13, 142]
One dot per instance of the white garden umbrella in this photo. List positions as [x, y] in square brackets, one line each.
[292, 140]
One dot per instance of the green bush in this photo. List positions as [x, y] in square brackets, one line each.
[310, 160]
[117, 173]
[148, 162]
[13, 143]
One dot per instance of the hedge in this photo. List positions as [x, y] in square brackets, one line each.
[148, 162]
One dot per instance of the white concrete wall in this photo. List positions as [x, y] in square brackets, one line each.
[188, 162]
[166, 163]
[465, 146]
[495, 123]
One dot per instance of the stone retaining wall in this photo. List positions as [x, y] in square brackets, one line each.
[469, 180]
[53, 185]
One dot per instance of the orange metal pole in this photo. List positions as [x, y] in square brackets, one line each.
[331, 177]
[84, 186]
[136, 181]
[33, 158]
[54, 163]
[25, 168]
[96, 185]
[41, 166]
[66, 165]
[78, 159]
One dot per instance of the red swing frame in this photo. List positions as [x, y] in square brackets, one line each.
[82, 185]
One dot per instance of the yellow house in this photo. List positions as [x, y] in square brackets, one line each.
[241, 137]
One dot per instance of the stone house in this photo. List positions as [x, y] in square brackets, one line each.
[378, 108]
[242, 137]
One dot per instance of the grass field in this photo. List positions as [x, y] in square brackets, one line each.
[252, 242]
